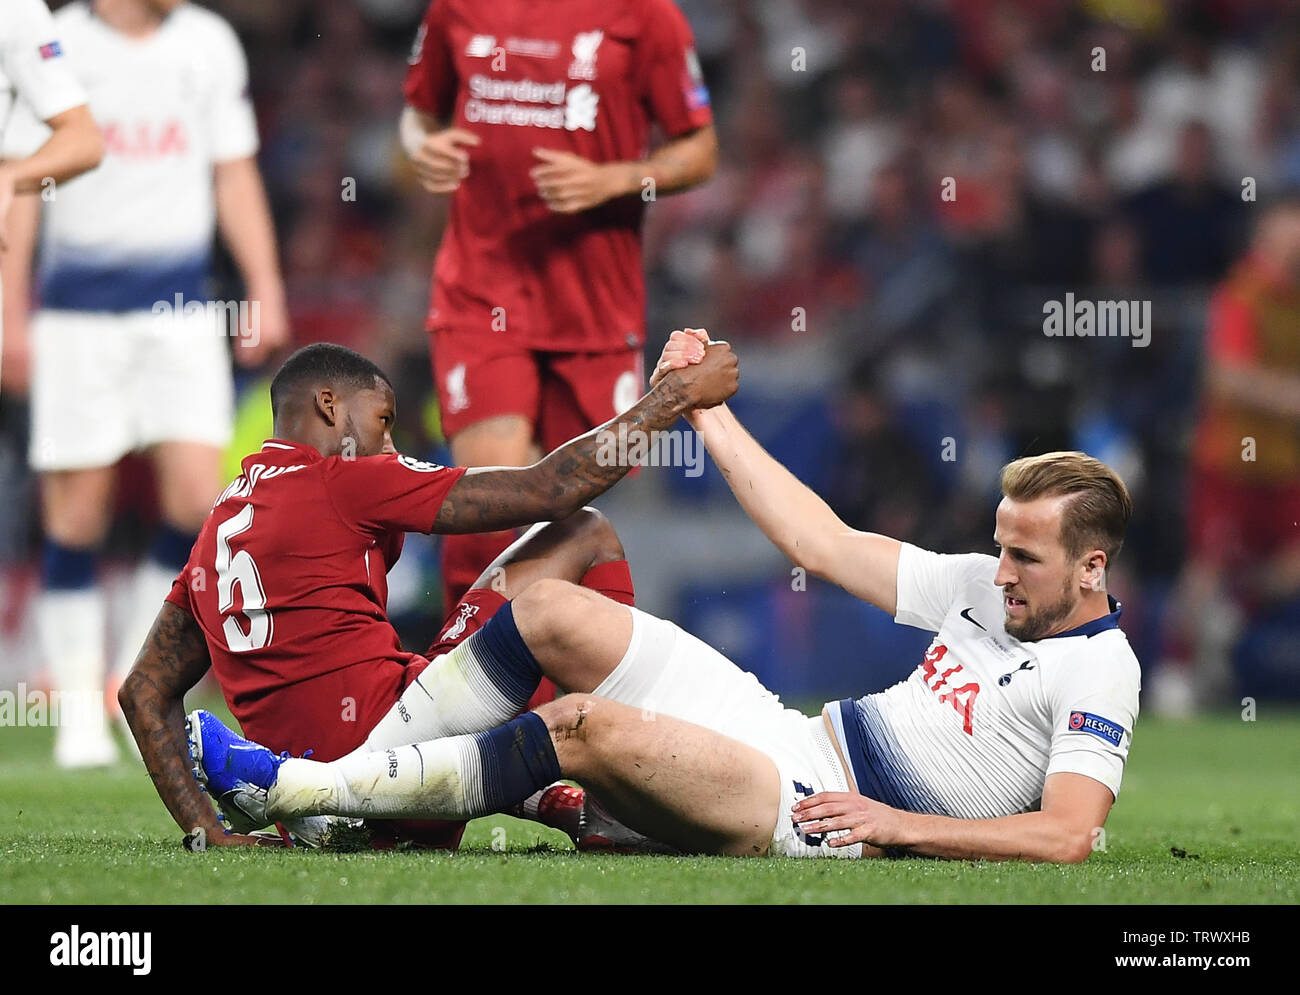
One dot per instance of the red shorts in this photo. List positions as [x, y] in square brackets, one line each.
[1233, 523]
[563, 394]
[470, 614]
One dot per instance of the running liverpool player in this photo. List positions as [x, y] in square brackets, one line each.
[536, 120]
[284, 593]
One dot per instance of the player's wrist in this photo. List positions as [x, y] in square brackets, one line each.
[268, 290]
[625, 178]
[909, 830]
[674, 393]
[701, 419]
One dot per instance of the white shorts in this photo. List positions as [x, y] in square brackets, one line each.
[669, 671]
[104, 385]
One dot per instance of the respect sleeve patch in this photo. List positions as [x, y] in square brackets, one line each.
[1099, 727]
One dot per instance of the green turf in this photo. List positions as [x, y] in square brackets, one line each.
[1224, 791]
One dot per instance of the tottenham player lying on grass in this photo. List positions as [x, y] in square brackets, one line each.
[1007, 742]
[285, 590]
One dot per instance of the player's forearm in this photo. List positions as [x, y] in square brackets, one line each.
[171, 662]
[16, 261]
[677, 165]
[1031, 836]
[413, 127]
[684, 162]
[244, 218]
[1257, 388]
[158, 724]
[788, 511]
[74, 146]
[570, 477]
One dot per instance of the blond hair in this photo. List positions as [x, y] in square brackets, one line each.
[1099, 513]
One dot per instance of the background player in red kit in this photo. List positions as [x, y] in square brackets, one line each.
[285, 591]
[536, 119]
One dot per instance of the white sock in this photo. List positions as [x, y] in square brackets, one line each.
[70, 626]
[460, 777]
[433, 780]
[453, 696]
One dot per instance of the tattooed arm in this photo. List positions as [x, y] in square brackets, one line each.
[490, 498]
[152, 697]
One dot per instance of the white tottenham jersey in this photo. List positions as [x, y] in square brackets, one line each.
[975, 731]
[33, 70]
[171, 104]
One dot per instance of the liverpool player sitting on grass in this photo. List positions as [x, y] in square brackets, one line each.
[284, 593]
[1007, 742]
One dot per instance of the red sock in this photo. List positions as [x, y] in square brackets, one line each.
[612, 579]
[464, 557]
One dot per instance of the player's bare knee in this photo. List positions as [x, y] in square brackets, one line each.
[546, 611]
[574, 722]
[599, 536]
[187, 518]
[76, 508]
[82, 527]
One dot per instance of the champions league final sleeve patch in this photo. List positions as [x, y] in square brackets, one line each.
[1099, 727]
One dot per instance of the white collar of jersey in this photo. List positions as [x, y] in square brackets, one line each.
[1097, 625]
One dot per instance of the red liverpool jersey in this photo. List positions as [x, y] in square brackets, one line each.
[583, 76]
[288, 581]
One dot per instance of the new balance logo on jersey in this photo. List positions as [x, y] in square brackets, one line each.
[480, 46]
[1099, 727]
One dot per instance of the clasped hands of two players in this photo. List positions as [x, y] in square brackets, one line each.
[567, 183]
[688, 349]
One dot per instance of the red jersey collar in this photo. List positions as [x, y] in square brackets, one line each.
[299, 449]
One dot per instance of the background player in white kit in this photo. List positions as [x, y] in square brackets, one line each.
[118, 362]
[1008, 741]
[33, 70]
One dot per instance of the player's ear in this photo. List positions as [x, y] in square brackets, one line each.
[327, 405]
[1092, 571]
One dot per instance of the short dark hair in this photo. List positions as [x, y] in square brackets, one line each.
[324, 363]
[1098, 513]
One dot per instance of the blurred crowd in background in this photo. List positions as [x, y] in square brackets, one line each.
[891, 338]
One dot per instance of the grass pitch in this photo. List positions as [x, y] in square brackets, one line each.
[1222, 792]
